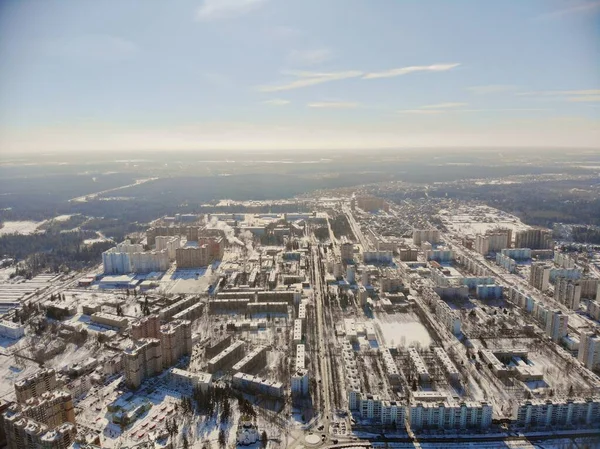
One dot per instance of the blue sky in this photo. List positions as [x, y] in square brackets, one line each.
[287, 74]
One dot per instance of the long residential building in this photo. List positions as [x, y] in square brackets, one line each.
[258, 356]
[443, 415]
[557, 413]
[52, 408]
[226, 357]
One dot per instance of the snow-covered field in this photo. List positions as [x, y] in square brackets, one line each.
[403, 329]
[19, 227]
[473, 220]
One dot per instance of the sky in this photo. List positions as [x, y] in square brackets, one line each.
[122, 75]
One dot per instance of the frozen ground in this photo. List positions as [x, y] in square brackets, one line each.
[404, 329]
[19, 227]
[472, 220]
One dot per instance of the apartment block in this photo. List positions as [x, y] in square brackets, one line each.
[185, 379]
[23, 432]
[217, 345]
[589, 350]
[299, 378]
[144, 359]
[534, 239]
[51, 408]
[539, 276]
[36, 385]
[256, 357]
[147, 327]
[443, 415]
[170, 244]
[568, 292]
[557, 325]
[593, 309]
[226, 357]
[557, 413]
[492, 242]
[110, 320]
[170, 311]
[176, 341]
[11, 330]
[257, 385]
[425, 235]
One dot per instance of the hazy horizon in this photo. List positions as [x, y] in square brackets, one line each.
[265, 75]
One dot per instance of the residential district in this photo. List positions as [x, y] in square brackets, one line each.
[356, 324]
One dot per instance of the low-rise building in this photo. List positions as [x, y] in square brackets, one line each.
[11, 330]
[256, 357]
[226, 357]
[185, 379]
[110, 320]
[257, 385]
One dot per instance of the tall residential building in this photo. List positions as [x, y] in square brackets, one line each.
[534, 239]
[425, 235]
[568, 292]
[371, 203]
[51, 408]
[147, 327]
[141, 361]
[539, 276]
[127, 258]
[347, 250]
[23, 432]
[589, 350]
[37, 384]
[169, 243]
[557, 325]
[176, 341]
[492, 242]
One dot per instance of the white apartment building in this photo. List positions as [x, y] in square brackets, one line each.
[443, 415]
[556, 325]
[550, 413]
[425, 235]
[568, 292]
[11, 330]
[127, 258]
[589, 350]
[297, 335]
[170, 243]
[418, 365]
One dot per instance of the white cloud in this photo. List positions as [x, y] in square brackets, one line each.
[586, 98]
[491, 89]
[444, 106]
[222, 9]
[309, 57]
[406, 70]
[558, 93]
[276, 102]
[421, 111]
[578, 7]
[305, 79]
[333, 105]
